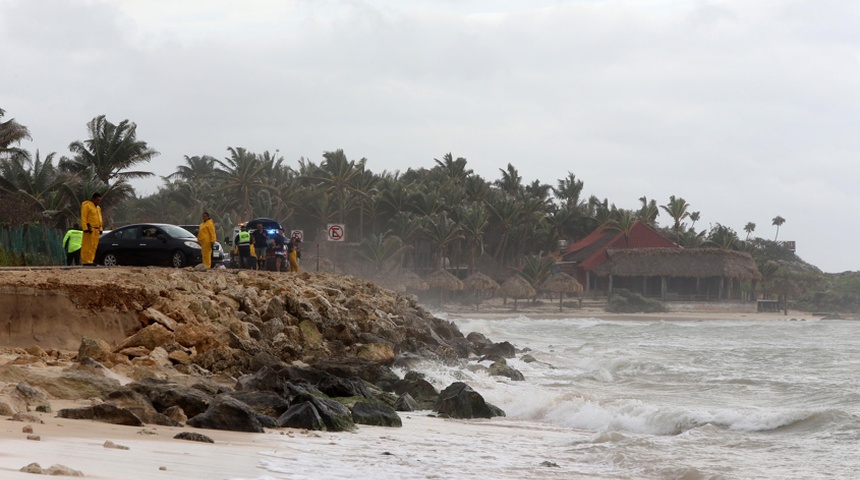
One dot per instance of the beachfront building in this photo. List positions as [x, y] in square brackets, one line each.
[581, 258]
[681, 273]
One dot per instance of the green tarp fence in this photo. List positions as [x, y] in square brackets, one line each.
[32, 245]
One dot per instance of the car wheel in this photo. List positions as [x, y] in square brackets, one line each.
[178, 259]
[109, 260]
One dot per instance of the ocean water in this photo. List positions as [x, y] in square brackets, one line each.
[673, 399]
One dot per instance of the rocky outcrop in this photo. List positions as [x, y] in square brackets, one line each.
[460, 401]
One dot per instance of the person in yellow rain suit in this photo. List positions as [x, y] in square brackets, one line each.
[91, 222]
[294, 253]
[206, 238]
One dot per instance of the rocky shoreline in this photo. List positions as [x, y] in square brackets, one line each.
[228, 350]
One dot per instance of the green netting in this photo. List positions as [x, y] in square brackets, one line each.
[31, 245]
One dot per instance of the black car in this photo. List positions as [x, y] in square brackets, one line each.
[217, 251]
[149, 244]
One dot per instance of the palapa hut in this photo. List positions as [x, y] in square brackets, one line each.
[517, 287]
[411, 281]
[562, 283]
[680, 273]
[479, 284]
[443, 280]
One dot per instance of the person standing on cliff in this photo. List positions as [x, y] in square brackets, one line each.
[72, 245]
[261, 242]
[206, 238]
[91, 221]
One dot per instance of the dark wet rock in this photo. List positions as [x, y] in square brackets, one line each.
[366, 413]
[267, 379]
[500, 369]
[193, 436]
[478, 340]
[458, 400]
[335, 415]
[424, 393]
[103, 412]
[349, 367]
[138, 404]
[165, 394]
[504, 349]
[405, 403]
[265, 403]
[227, 413]
[302, 415]
[493, 357]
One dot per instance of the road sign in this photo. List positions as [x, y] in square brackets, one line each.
[335, 232]
[299, 234]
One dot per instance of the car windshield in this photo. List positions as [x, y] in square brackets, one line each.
[177, 232]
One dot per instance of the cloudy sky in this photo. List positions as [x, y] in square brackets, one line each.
[746, 109]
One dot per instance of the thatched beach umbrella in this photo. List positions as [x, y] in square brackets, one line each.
[411, 281]
[479, 283]
[443, 280]
[517, 287]
[561, 283]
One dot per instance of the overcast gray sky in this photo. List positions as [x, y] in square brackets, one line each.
[746, 109]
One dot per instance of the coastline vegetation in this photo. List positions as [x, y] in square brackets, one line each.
[423, 219]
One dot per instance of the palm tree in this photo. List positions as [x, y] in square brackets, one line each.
[111, 151]
[241, 177]
[455, 170]
[381, 250]
[441, 231]
[336, 176]
[778, 221]
[723, 238]
[196, 169]
[536, 269]
[677, 209]
[11, 132]
[569, 191]
[36, 182]
[749, 228]
[505, 211]
[622, 221]
[649, 211]
[473, 220]
[511, 181]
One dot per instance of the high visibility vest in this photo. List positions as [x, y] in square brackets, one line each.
[244, 238]
[72, 241]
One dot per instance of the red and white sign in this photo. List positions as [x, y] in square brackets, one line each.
[335, 232]
[299, 234]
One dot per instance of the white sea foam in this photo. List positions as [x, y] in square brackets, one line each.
[655, 399]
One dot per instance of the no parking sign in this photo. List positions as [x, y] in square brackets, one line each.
[335, 232]
[298, 234]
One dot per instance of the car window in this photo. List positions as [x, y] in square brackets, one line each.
[149, 233]
[177, 232]
[125, 233]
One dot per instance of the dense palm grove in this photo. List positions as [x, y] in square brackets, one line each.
[421, 219]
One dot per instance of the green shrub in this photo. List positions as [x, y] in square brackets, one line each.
[625, 301]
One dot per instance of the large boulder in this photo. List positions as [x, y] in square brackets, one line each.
[458, 400]
[228, 413]
[164, 394]
[302, 415]
[367, 413]
[103, 412]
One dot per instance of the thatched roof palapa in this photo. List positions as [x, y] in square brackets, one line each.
[561, 283]
[679, 262]
[411, 281]
[517, 287]
[444, 280]
[479, 282]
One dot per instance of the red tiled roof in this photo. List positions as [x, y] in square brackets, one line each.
[591, 250]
